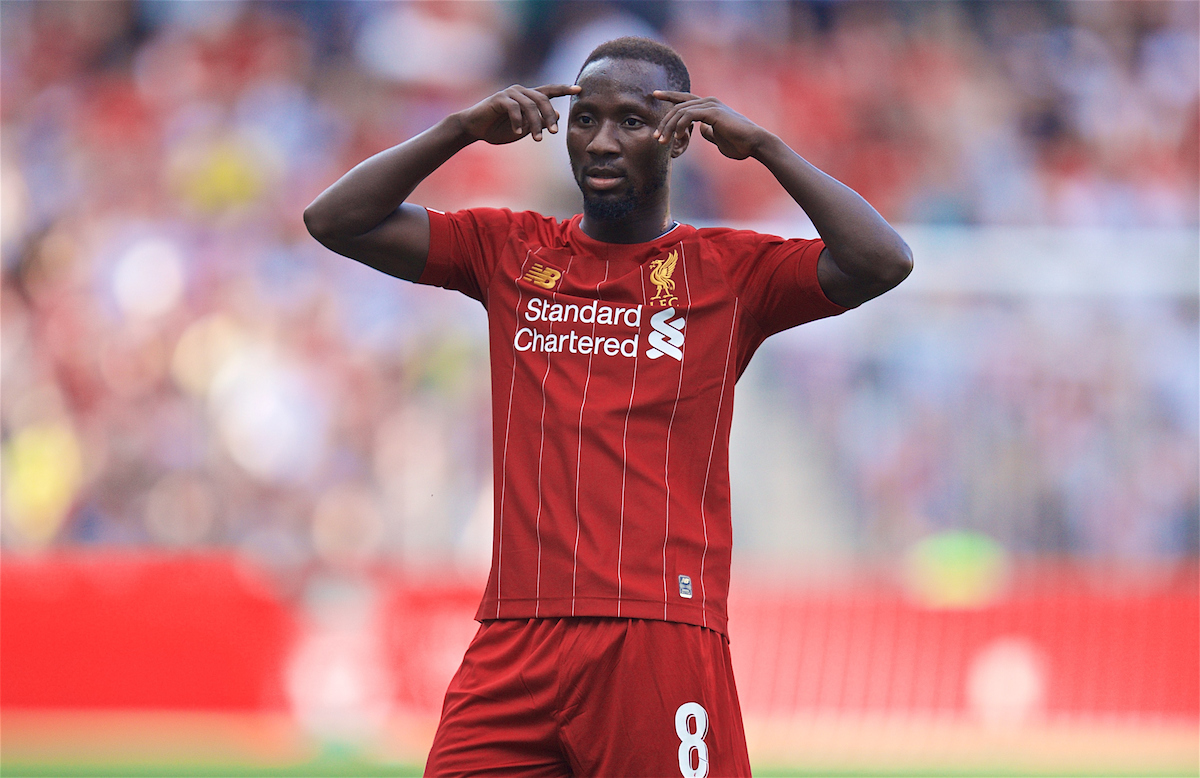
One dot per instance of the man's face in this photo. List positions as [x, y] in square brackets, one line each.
[618, 163]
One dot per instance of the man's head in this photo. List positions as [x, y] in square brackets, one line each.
[619, 165]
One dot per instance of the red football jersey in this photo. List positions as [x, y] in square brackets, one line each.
[613, 368]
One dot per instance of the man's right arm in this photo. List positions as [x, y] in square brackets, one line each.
[364, 216]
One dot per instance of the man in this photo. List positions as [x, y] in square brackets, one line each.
[615, 339]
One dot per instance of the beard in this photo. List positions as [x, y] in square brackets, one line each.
[614, 208]
[611, 209]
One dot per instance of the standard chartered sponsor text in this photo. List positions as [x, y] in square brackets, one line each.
[541, 309]
[573, 342]
[530, 340]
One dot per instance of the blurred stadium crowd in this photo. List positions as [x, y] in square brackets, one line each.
[184, 367]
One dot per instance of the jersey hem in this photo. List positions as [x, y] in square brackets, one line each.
[603, 607]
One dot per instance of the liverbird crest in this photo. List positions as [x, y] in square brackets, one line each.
[660, 275]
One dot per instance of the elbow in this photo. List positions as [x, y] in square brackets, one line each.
[889, 265]
[888, 269]
[896, 265]
[332, 224]
[328, 222]
[864, 276]
[317, 224]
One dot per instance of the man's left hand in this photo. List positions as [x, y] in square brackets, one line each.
[734, 135]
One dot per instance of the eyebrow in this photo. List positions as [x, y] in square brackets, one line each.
[626, 105]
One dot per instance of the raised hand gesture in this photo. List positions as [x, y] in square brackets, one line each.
[513, 113]
[734, 135]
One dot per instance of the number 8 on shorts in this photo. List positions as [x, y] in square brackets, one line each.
[692, 739]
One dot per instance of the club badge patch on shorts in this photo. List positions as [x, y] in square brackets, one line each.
[685, 587]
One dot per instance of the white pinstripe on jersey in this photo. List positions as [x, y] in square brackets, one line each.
[504, 458]
[670, 425]
[625, 452]
[708, 469]
[537, 522]
[579, 447]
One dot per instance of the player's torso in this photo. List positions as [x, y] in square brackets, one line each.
[613, 379]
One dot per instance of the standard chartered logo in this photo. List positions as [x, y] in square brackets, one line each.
[665, 340]
[667, 336]
[571, 341]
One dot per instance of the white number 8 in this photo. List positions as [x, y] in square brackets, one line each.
[693, 740]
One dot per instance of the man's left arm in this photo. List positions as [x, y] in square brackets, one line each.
[863, 257]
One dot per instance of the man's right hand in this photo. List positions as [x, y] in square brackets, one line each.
[513, 113]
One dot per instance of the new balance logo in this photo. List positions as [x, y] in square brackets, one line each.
[667, 337]
[540, 275]
[685, 587]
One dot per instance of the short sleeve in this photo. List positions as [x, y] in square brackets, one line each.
[464, 248]
[777, 280]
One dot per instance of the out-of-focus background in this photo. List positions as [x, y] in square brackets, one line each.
[246, 482]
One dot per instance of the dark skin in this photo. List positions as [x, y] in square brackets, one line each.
[615, 153]
[622, 132]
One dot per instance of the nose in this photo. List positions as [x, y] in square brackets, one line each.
[604, 140]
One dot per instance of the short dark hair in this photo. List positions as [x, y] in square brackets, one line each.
[646, 50]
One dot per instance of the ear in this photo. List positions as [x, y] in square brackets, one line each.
[679, 145]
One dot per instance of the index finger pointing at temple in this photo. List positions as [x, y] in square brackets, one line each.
[673, 97]
[558, 90]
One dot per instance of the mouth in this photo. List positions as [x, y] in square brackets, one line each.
[602, 179]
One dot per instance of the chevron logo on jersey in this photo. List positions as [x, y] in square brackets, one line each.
[667, 337]
[540, 275]
[661, 271]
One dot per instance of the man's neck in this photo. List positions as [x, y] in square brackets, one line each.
[634, 228]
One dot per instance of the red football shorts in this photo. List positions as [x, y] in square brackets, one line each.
[592, 697]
